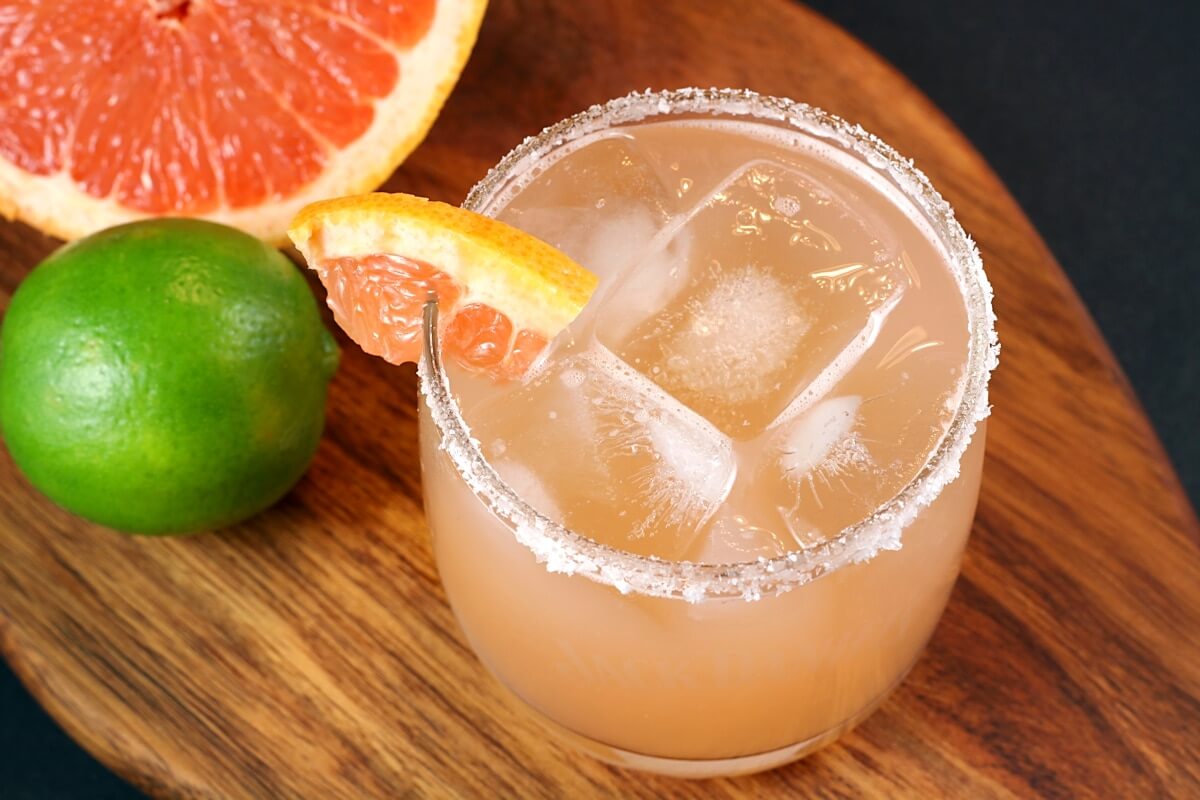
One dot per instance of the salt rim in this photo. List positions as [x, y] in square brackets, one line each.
[561, 550]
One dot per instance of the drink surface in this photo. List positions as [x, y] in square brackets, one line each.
[776, 348]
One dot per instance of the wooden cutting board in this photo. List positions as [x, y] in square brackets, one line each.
[310, 652]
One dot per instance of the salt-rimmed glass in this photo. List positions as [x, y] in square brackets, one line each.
[560, 618]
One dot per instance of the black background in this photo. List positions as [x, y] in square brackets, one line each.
[1090, 113]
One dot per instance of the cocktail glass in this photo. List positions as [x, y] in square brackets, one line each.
[699, 669]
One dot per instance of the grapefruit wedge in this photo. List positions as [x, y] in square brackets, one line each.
[502, 294]
[240, 111]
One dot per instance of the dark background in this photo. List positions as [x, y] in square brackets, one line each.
[1092, 119]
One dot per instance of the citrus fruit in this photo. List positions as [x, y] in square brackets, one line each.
[164, 376]
[239, 111]
[502, 294]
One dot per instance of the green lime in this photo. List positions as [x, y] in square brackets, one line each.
[164, 376]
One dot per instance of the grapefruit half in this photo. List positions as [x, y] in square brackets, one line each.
[239, 111]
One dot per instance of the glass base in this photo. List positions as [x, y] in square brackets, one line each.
[707, 767]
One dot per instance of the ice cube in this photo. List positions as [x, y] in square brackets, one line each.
[824, 461]
[795, 482]
[601, 204]
[609, 453]
[773, 287]
[604, 242]
[648, 286]
[823, 439]
[844, 452]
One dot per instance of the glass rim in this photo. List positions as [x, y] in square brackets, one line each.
[561, 550]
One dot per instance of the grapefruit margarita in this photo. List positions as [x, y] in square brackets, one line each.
[719, 517]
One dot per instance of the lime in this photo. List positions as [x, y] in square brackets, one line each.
[164, 376]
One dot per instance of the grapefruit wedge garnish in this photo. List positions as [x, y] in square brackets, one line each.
[502, 294]
[240, 111]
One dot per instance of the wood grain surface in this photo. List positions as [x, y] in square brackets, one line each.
[311, 653]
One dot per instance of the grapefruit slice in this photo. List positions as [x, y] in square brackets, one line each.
[240, 111]
[502, 294]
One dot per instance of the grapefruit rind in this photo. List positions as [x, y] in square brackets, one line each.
[535, 285]
[57, 206]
